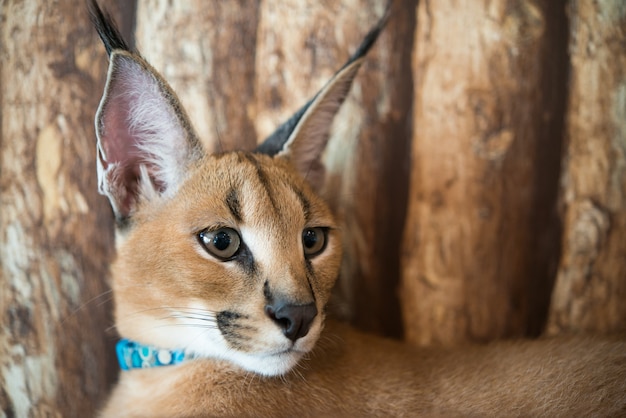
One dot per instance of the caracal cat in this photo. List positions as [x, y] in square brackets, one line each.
[225, 263]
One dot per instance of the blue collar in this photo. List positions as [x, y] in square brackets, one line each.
[133, 355]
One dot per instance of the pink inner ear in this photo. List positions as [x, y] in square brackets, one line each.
[122, 144]
[117, 142]
[120, 181]
[120, 158]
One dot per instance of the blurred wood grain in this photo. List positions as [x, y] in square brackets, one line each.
[478, 166]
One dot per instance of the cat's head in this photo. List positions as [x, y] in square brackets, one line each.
[231, 256]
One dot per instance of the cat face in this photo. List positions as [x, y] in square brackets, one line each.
[203, 269]
[230, 256]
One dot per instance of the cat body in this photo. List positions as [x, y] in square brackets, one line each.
[231, 258]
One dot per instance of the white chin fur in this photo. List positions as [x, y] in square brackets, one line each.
[278, 361]
[278, 357]
[275, 363]
[267, 365]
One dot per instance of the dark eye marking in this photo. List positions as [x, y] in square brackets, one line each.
[306, 205]
[246, 260]
[263, 179]
[234, 205]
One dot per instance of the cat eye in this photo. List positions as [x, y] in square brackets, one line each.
[223, 243]
[313, 241]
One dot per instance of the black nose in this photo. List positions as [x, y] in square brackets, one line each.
[294, 320]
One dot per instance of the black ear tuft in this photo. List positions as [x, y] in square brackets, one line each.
[108, 32]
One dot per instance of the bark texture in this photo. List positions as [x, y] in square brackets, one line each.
[207, 53]
[55, 230]
[590, 291]
[479, 204]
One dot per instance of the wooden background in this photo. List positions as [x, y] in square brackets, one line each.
[479, 166]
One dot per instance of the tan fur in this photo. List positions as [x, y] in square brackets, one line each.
[171, 293]
[162, 254]
[352, 374]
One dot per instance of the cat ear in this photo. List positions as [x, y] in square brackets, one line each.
[145, 142]
[306, 141]
[303, 137]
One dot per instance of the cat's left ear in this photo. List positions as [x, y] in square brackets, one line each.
[303, 138]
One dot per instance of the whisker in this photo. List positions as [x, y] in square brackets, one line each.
[181, 309]
[198, 317]
[107, 293]
[110, 328]
[206, 329]
[298, 370]
[199, 326]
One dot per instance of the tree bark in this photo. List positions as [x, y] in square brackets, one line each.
[591, 284]
[56, 234]
[477, 242]
[207, 53]
[375, 197]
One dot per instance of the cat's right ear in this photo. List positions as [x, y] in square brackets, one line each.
[303, 137]
[145, 141]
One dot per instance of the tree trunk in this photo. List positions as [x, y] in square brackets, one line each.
[374, 196]
[56, 232]
[590, 291]
[485, 157]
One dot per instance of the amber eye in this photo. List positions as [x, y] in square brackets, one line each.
[313, 241]
[223, 243]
